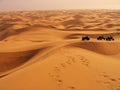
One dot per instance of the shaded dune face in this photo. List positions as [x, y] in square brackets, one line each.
[69, 20]
[102, 47]
[55, 38]
[59, 29]
[77, 35]
[58, 39]
[12, 60]
[8, 32]
[110, 48]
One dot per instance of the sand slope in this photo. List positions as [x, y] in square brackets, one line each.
[67, 72]
[44, 51]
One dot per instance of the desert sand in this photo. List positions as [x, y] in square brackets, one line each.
[43, 50]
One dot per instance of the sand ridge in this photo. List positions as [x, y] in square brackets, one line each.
[45, 51]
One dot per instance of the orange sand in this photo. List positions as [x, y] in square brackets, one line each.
[43, 50]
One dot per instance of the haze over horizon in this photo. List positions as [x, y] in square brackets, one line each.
[16, 5]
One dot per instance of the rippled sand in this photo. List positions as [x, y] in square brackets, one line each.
[43, 50]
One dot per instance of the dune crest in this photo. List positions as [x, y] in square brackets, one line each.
[45, 50]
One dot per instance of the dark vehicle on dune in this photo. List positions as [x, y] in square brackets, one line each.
[110, 38]
[100, 38]
[85, 38]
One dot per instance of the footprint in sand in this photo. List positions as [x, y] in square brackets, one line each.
[63, 65]
[77, 58]
[70, 60]
[109, 81]
[59, 82]
[56, 78]
[71, 88]
[56, 74]
[57, 69]
[83, 60]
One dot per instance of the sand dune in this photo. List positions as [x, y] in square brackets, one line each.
[66, 71]
[44, 51]
[110, 48]
[13, 59]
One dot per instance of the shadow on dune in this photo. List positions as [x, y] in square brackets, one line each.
[6, 33]
[9, 32]
[105, 48]
[76, 35]
[12, 60]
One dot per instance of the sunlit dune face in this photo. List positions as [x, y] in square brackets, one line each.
[68, 50]
[24, 28]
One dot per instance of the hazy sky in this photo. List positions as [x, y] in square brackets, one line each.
[6, 5]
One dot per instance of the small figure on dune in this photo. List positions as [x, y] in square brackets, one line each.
[85, 38]
[110, 38]
[101, 38]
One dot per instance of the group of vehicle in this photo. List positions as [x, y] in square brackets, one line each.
[109, 38]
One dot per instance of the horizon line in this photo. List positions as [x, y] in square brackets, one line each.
[56, 10]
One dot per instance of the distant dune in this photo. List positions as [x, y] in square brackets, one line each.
[44, 50]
